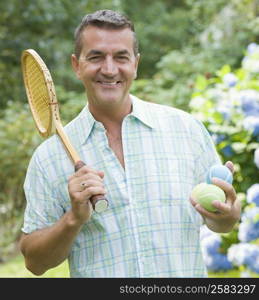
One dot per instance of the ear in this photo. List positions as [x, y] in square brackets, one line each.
[136, 65]
[75, 65]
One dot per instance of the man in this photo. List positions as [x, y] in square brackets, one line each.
[145, 158]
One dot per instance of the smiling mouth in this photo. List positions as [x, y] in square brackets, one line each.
[109, 83]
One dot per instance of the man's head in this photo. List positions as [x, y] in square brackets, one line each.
[106, 58]
[107, 19]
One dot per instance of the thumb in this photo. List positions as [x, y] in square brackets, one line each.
[230, 165]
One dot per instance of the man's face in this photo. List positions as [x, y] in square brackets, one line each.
[107, 64]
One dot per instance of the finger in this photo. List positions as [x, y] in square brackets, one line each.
[81, 186]
[86, 184]
[219, 209]
[226, 187]
[230, 166]
[223, 208]
[86, 170]
[85, 178]
[91, 191]
[193, 202]
[205, 213]
[90, 176]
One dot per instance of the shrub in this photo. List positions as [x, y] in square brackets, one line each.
[228, 104]
[18, 140]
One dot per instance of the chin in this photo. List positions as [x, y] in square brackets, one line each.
[110, 99]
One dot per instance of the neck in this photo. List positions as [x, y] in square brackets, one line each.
[111, 116]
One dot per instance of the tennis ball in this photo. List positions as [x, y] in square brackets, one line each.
[205, 193]
[221, 172]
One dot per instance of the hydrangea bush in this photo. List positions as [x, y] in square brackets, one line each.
[228, 104]
[215, 259]
[244, 255]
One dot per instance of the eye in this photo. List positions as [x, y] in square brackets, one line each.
[122, 58]
[94, 58]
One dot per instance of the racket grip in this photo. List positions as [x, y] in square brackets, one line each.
[79, 164]
[99, 202]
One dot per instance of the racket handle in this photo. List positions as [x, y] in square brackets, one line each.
[79, 164]
[99, 202]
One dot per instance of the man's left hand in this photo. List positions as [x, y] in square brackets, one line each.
[227, 213]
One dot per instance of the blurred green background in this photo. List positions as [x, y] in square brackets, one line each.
[187, 47]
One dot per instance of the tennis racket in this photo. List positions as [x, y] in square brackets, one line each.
[43, 103]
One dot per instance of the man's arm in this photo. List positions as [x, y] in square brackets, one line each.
[46, 248]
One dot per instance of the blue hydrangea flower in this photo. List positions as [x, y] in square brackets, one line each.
[248, 231]
[242, 254]
[249, 226]
[253, 194]
[250, 215]
[218, 138]
[227, 151]
[214, 260]
[218, 262]
[253, 263]
[249, 100]
[211, 244]
[250, 62]
[225, 110]
[230, 80]
[252, 48]
[251, 123]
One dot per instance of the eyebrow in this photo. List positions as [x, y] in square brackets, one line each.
[98, 52]
[123, 52]
[94, 52]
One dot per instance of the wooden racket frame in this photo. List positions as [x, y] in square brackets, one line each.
[56, 125]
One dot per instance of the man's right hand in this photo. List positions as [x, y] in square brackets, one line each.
[82, 185]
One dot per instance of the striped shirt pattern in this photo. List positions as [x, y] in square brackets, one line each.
[150, 228]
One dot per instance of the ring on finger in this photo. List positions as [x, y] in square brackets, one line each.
[84, 184]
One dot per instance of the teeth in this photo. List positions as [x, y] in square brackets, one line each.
[109, 83]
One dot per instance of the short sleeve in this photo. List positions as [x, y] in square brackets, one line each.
[42, 206]
[207, 155]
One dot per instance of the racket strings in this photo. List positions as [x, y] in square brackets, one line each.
[39, 95]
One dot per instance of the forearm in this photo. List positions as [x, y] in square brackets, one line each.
[48, 247]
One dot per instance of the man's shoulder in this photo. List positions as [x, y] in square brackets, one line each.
[165, 112]
[48, 149]
[168, 118]
[52, 150]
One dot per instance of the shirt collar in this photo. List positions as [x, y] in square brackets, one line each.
[140, 110]
[86, 124]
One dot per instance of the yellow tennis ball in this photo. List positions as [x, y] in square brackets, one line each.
[205, 193]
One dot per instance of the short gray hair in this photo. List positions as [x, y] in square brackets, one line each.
[104, 19]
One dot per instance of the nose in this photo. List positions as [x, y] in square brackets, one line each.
[109, 67]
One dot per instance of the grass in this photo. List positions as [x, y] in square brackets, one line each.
[15, 268]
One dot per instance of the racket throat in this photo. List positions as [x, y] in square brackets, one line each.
[66, 142]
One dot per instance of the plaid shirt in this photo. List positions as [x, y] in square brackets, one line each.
[150, 228]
